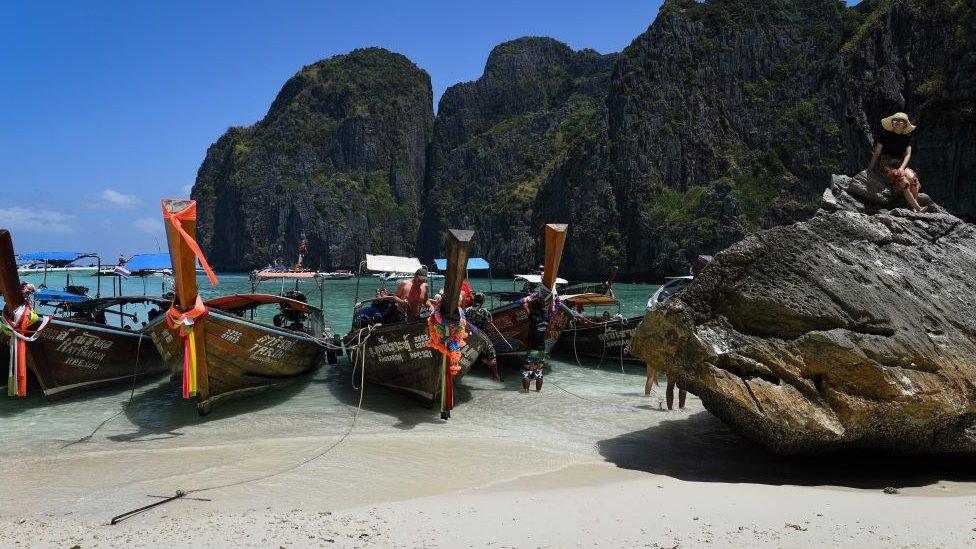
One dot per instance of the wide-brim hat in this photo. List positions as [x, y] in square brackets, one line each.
[886, 123]
[421, 273]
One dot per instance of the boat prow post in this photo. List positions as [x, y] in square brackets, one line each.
[180, 221]
[9, 279]
[555, 240]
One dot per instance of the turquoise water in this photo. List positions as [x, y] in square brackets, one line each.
[321, 403]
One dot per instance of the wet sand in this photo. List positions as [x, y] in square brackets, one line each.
[587, 462]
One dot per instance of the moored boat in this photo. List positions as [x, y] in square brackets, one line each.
[508, 325]
[76, 348]
[221, 348]
[603, 336]
[398, 354]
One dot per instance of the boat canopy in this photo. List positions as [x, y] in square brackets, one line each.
[474, 264]
[54, 258]
[148, 262]
[589, 299]
[238, 302]
[392, 263]
[58, 296]
[537, 279]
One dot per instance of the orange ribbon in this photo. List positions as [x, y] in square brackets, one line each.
[190, 214]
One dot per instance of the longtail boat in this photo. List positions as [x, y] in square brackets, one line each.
[220, 348]
[401, 354]
[76, 348]
[508, 327]
[596, 336]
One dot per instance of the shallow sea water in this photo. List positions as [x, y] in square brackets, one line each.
[321, 403]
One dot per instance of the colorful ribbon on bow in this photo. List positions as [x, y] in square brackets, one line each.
[447, 337]
[183, 322]
[18, 328]
[189, 214]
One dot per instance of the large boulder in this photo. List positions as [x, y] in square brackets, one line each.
[856, 328]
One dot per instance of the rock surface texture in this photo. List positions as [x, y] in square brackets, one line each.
[854, 329]
[341, 155]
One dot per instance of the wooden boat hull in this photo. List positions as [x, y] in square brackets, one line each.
[605, 340]
[73, 356]
[243, 356]
[508, 330]
[396, 356]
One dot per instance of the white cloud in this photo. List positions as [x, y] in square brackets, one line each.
[36, 221]
[116, 199]
[186, 190]
[149, 225]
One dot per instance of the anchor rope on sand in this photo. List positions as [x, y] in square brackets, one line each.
[180, 494]
[132, 392]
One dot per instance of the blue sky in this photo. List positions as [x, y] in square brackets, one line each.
[109, 106]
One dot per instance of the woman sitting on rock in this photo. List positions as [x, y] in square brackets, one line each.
[894, 148]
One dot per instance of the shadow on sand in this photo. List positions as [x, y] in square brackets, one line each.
[701, 448]
[409, 410]
[159, 412]
[35, 399]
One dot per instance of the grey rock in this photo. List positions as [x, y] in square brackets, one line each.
[854, 329]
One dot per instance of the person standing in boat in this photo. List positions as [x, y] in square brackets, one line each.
[411, 294]
[892, 152]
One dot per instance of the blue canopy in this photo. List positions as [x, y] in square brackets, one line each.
[52, 256]
[59, 296]
[474, 264]
[148, 262]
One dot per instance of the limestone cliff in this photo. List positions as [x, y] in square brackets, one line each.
[723, 118]
[340, 155]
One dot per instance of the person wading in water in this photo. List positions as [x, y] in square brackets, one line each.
[893, 148]
[412, 294]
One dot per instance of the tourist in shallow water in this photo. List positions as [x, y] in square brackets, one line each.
[892, 152]
[411, 294]
[535, 357]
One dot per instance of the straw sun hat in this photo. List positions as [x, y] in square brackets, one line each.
[886, 123]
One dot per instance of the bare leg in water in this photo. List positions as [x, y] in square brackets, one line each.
[669, 394]
[651, 379]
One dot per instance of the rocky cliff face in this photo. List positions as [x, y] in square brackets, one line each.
[499, 139]
[724, 117]
[340, 155]
[853, 329]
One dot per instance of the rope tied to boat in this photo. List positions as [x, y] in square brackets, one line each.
[183, 323]
[321, 451]
[18, 327]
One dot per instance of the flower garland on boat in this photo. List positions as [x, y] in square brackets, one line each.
[447, 337]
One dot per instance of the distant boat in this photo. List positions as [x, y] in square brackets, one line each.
[35, 263]
[228, 353]
[79, 349]
[402, 275]
[340, 274]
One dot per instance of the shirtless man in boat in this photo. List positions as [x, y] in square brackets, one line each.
[412, 294]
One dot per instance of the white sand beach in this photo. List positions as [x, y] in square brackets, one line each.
[587, 462]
